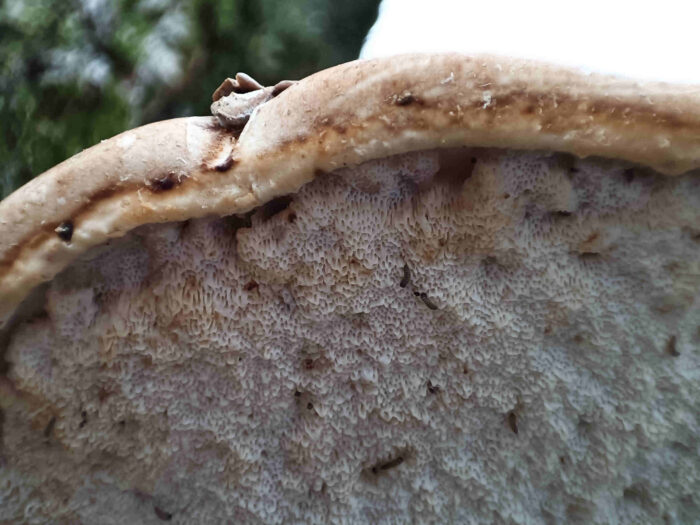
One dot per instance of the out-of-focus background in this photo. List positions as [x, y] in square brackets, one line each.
[74, 72]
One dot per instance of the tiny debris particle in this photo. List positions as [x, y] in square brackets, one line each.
[163, 515]
[406, 276]
[426, 300]
[83, 419]
[309, 406]
[65, 231]
[433, 389]
[671, 347]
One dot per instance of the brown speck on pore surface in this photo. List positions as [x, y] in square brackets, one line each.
[48, 430]
[513, 422]
[162, 514]
[387, 465]
[671, 347]
[251, 285]
[433, 389]
[406, 276]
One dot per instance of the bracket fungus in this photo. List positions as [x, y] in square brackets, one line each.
[431, 288]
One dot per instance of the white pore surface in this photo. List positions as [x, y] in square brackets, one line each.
[644, 39]
[459, 337]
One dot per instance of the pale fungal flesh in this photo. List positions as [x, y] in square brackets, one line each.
[466, 335]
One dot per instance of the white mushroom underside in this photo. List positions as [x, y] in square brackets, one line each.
[541, 361]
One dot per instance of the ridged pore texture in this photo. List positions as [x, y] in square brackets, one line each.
[457, 336]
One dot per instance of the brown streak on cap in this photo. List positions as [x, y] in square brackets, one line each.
[335, 118]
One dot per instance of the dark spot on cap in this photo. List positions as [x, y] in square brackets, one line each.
[405, 98]
[163, 515]
[292, 217]
[250, 286]
[310, 406]
[309, 364]
[671, 347]
[513, 422]
[65, 231]
[225, 165]
[83, 419]
[165, 183]
[406, 276]
[297, 393]
[433, 389]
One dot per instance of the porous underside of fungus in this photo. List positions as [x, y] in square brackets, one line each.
[461, 335]
[452, 335]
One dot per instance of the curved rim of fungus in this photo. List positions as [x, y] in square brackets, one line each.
[359, 111]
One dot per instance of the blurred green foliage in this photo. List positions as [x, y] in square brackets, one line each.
[74, 72]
